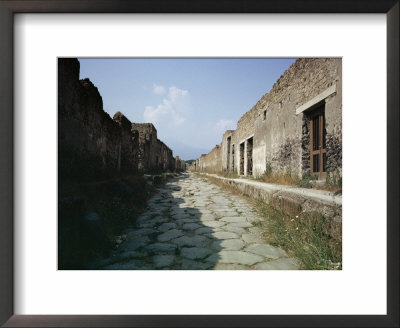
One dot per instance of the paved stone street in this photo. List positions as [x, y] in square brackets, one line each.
[192, 224]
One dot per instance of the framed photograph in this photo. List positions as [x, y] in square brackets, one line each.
[340, 62]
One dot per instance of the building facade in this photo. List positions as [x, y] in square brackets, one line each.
[295, 129]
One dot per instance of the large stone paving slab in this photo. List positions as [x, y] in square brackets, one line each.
[234, 219]
[236, 230]
[190, 226]
[213, 224]
[237, 257]
[240, 224]
[134, 244]
[134, 233]
[160, 248]
[167, 226]
[266, 251]
[224, 266]
[196, 241]
[228, 244]
[171, 234]
[161, 261]
[195, 265]
[280, 264]
[206, 230]
[194, 225]
[224, 235]
[195, 253]
[251, 238]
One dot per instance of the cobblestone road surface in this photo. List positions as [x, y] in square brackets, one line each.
[192, 224]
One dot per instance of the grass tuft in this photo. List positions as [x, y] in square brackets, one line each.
[304, 236]
[313, 240]
[333, 180]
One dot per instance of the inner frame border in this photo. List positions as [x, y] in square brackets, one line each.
[10, 7]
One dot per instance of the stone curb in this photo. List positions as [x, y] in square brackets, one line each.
[291, 200]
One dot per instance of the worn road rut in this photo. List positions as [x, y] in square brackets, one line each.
[192, 224]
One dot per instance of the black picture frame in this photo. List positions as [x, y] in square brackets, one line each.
[10, 7]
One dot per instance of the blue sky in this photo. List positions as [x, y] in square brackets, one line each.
[191, 102]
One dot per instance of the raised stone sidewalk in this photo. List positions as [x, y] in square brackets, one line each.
[292, 200]
[194, 225]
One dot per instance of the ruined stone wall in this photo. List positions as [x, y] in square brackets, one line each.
[166, 159]
[272, 133]
[93, 145]
[153, 154]
[160, 154]
[244, 130]
[170, 160]
[202, 164]
[226, 151]
[129, 144]
[149, 148]
[89, 141]
[179, 163]
[196, 165]
[333, 116]
[212, 162]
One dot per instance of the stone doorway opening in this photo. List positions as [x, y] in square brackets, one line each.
[233, 158]
[318, 143]
[228, 152]
[241, 159]
[250, 156]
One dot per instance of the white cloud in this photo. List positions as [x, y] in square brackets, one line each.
[158, 89]
[222, 125]
[172, 109]
[177, 95]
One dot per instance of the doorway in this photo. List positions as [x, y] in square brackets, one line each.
[318, 143]
[241, 159]
[250, 156]
[233, 158]
[228, 152]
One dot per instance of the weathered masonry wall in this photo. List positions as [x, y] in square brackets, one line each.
[275, 132]
[227, 152]
[166, 159]
[212, 162]
[129, 144]
[90, 143]
[148, 144]
[179, 163]
[281, 131]
[153, 153]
